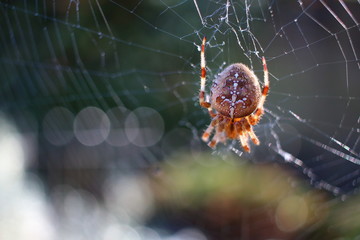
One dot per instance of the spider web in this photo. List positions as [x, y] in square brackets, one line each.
[133, 66]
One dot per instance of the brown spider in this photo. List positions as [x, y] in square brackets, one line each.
[239, 103]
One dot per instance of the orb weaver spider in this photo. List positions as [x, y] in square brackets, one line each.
[236, 97]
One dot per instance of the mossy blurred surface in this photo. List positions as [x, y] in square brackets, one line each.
[249, 201]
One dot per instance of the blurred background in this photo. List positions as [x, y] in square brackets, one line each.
[100, 124]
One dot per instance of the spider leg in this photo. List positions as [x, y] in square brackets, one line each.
[227, 131]
[208, 131]
[244, 142]
[211, 112]
[254, 118]
[214, 141]
[242, 135]
[218, 134]
[222, 137]
[253, 137]
[230, 129]
[202, 101]
[251, 133]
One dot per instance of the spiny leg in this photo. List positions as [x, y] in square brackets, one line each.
[241, 133]
[244, 142]
[253, 137]
[214, 141]
[218, 134]
[266, 84]
[227, 131]
[255, 117]
[202, 101]
[208, 131]
[211, 112]
[222, 137]
[230, 129]
[251, 133]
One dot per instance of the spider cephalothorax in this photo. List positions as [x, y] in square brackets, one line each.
[238, 101]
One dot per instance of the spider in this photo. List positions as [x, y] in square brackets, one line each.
[238, 101]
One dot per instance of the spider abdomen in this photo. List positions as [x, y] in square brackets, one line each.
[236, 92]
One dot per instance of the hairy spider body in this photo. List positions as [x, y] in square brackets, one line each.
[235, 93]
[237, 98]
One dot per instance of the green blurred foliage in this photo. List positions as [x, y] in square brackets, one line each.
[265, 201]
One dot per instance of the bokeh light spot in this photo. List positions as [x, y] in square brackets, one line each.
[144, 127]
[91, 126]
[176, 141]
[291, 214]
